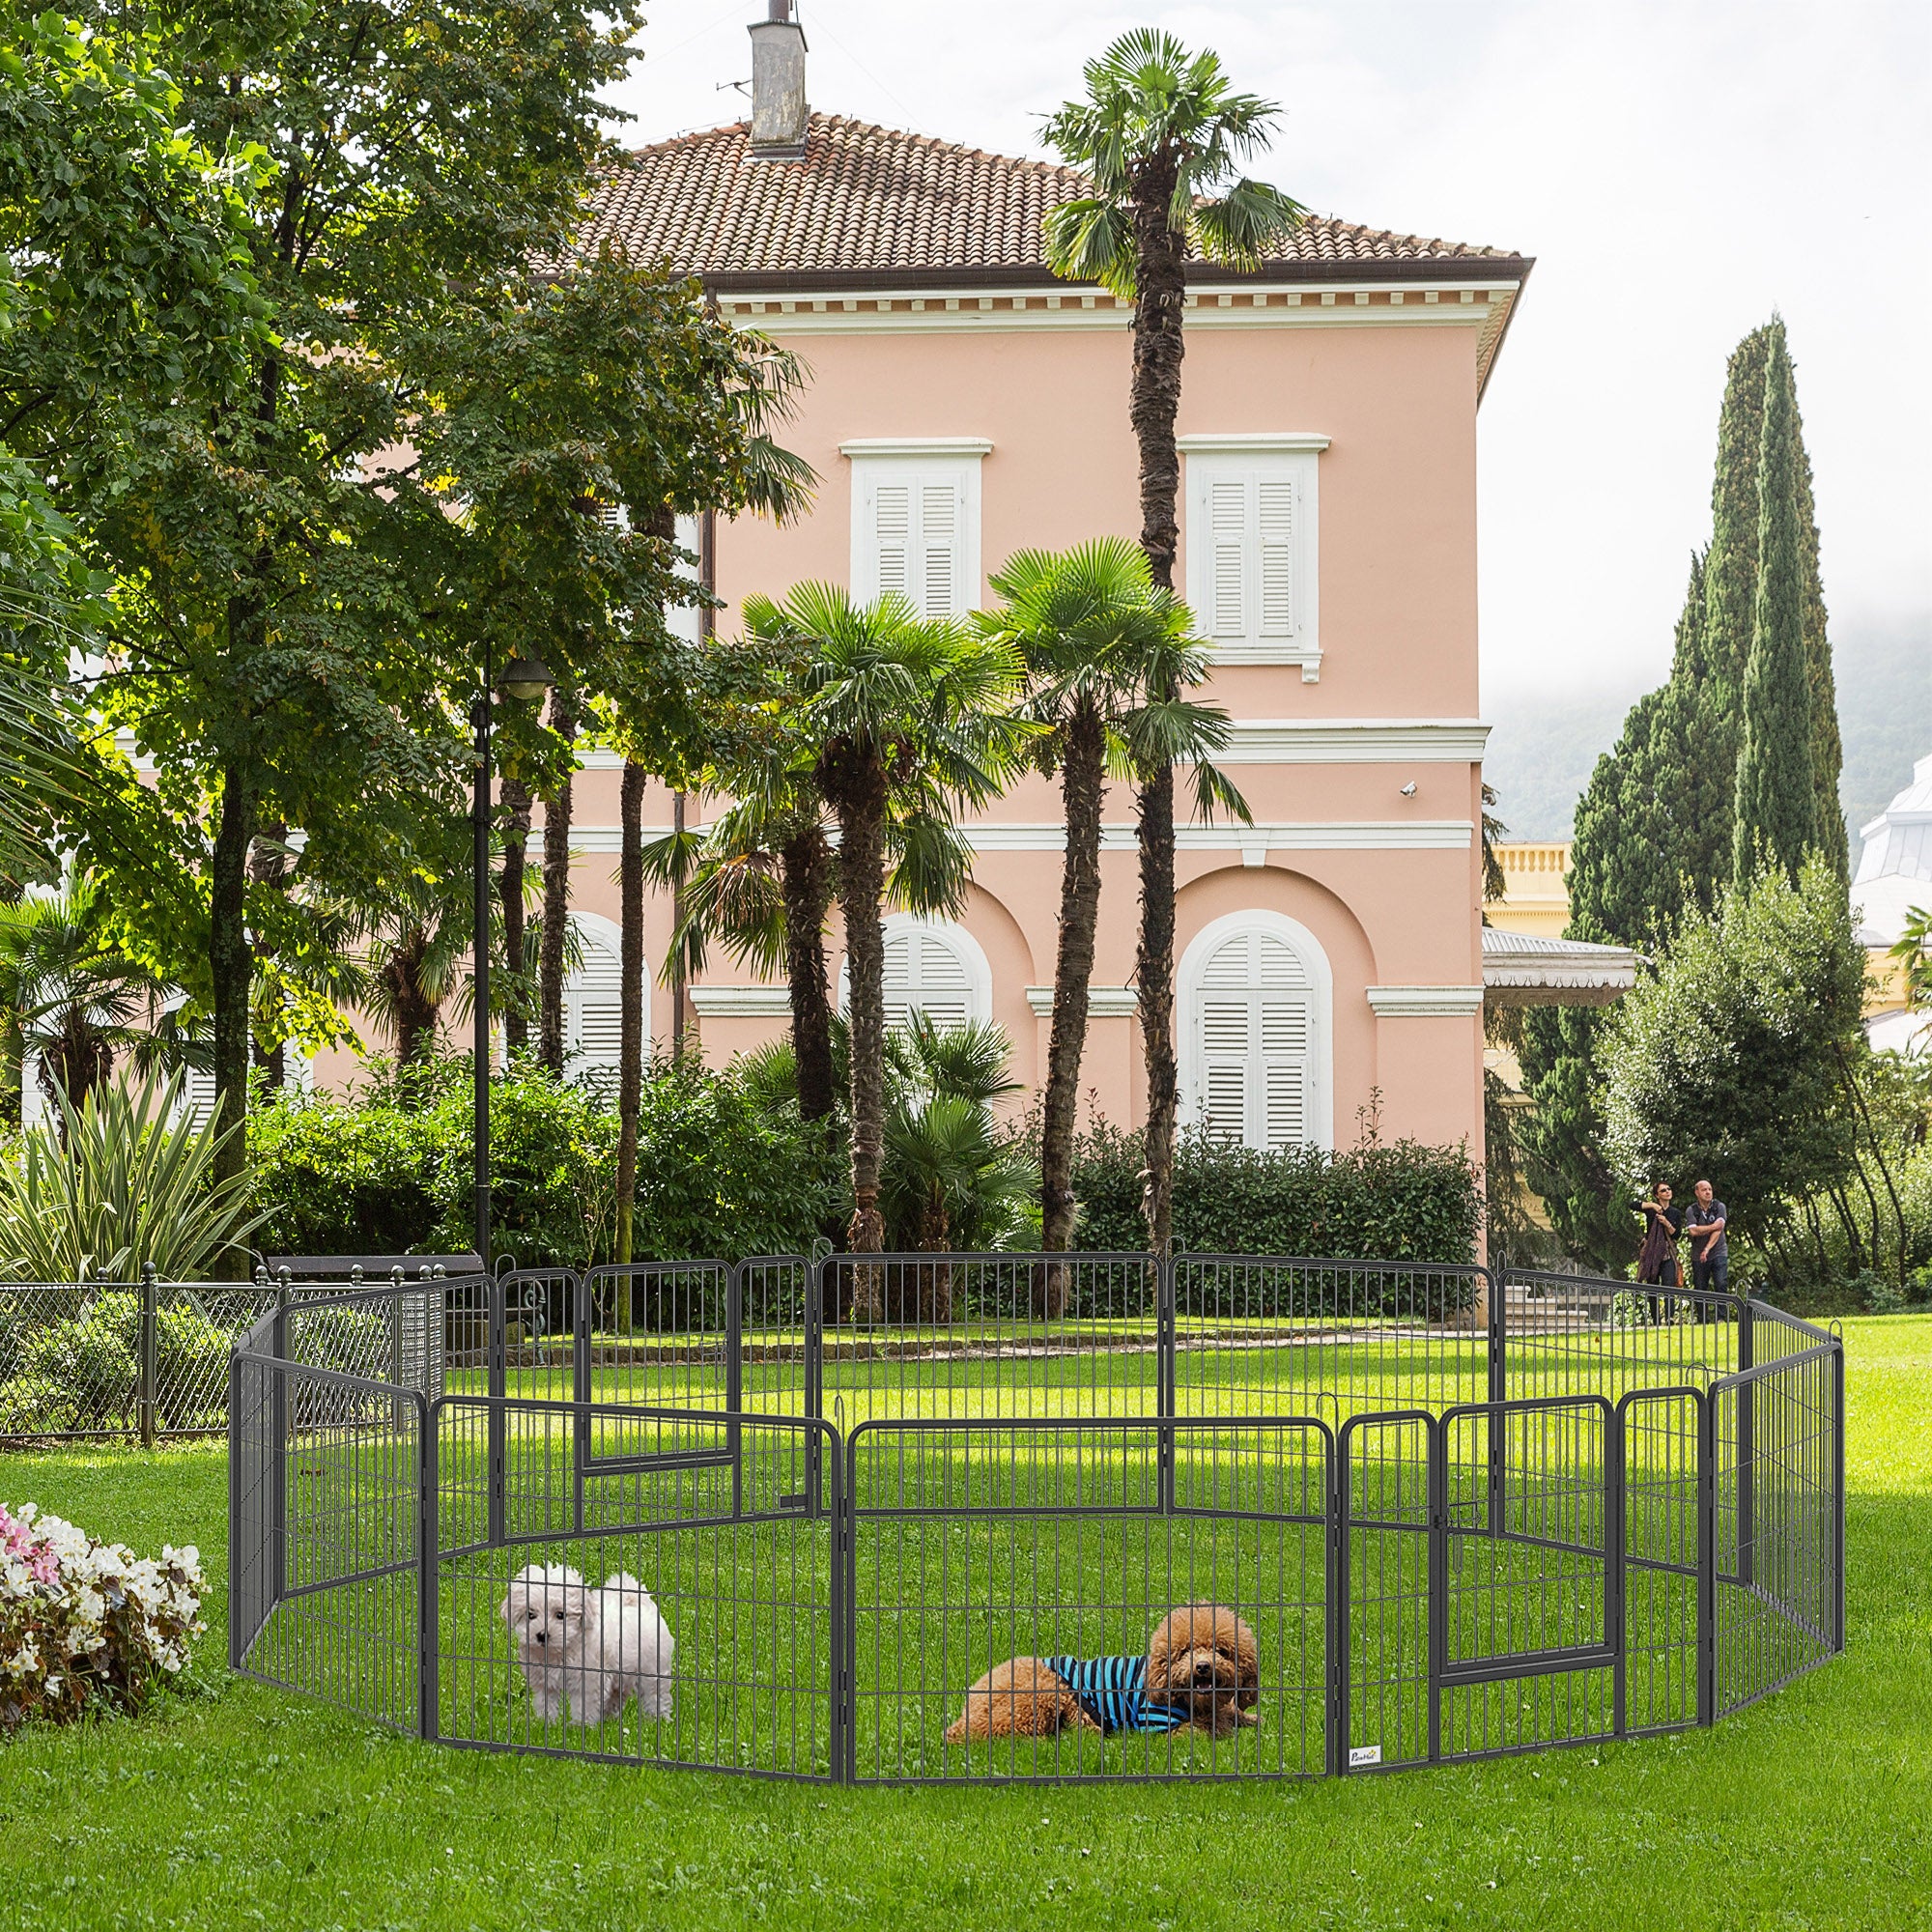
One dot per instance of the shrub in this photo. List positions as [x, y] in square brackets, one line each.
[130, 1186]
[1403, 1201]
[337, 1180]
[88, 1627]
[720, 1171]
[86, 1364]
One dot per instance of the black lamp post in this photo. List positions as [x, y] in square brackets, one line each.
[523, 680]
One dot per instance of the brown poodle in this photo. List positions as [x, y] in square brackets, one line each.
[1201, 1671]
[1203, 1660]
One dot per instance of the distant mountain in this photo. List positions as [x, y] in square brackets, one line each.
[1885, 712]
[1541, 751]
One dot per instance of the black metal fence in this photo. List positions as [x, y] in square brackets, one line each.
[883, 1519]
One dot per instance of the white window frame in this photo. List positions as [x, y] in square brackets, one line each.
[1319, 1123]
[914, 461]
[954, 937]
[1265, 460]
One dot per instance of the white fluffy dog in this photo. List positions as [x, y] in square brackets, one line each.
[586, 1648]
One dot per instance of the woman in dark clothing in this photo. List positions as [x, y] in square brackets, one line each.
[1657, 1264]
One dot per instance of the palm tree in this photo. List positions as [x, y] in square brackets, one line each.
[900, 712]
[71, 995]
[1102, 646]
[1160, 132]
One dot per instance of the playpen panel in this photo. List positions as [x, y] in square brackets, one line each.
[976, 1544]
[1386, 1476]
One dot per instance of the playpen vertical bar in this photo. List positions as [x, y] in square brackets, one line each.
[581, 1315]
[1497, 1280]
[144, 1368]
[250, 1548]
[1165, 1268]
[1616, 1514]
[1746, 1529]
[1436, 1450]
[429, 1671]
[1338, 1606]
[1839, 1489]
[496, 1301]
[844, 1600]
[734, 1381]
[814, 1380]
[1707, 1560]
[278, 1434]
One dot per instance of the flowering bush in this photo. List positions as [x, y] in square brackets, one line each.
[87, 1625]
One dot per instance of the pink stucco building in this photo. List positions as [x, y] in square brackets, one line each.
[963, 403]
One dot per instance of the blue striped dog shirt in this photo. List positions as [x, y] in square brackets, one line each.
[1113, 1692]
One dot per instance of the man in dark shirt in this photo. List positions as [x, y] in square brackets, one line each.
[1704, 1230]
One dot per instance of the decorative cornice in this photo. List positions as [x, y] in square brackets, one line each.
[739, 1002]
[1425, 1003]
[959, 303]
[1356, 741]
[1361, 834]
[918, 446]
[1254, 443]
[1103, 1003]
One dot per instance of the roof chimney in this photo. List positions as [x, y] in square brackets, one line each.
[779, 108]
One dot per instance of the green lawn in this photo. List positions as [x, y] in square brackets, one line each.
[243, 1804]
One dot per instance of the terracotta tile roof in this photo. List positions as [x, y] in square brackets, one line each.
[872, 200]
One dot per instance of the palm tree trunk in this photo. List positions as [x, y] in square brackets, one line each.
[1161, 290]
[861, 883]
[1083, 776]
[556, 896]
[805, 867]
[515, 795]
[680, 976]
[231, 970]
[630, 999]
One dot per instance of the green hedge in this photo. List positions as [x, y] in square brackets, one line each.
[719, 1172]
[1400, 1203]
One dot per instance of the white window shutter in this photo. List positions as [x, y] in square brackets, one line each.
[198, 1095]
[1229, 526]
[939, 549]
[1255, 1022]
[893, 535]
[923, 974]
[595, 997]
[1275, 547]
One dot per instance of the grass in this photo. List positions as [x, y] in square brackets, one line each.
[243, 1804]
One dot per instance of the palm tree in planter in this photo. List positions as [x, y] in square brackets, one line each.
[1161, 133]
[1104, 650]
[902, 714]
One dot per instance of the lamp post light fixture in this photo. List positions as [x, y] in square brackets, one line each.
[523, 680]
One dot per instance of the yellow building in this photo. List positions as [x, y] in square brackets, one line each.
[1537, 900]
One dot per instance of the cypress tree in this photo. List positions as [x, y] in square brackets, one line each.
[1827, 755]
[1776, 818]
[1730, 565]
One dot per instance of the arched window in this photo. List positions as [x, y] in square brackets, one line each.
[932, 967]
[1256, 993]
[592, 997]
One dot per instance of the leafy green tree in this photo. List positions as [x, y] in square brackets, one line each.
[1104, 651]
[274, 650]
[1161, 133]
[1776, 818]
[1728, 1060]
[899, 711]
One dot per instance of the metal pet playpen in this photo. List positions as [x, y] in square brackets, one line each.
[1458, 1514]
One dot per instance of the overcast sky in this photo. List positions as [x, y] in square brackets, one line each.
[1677, 169]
